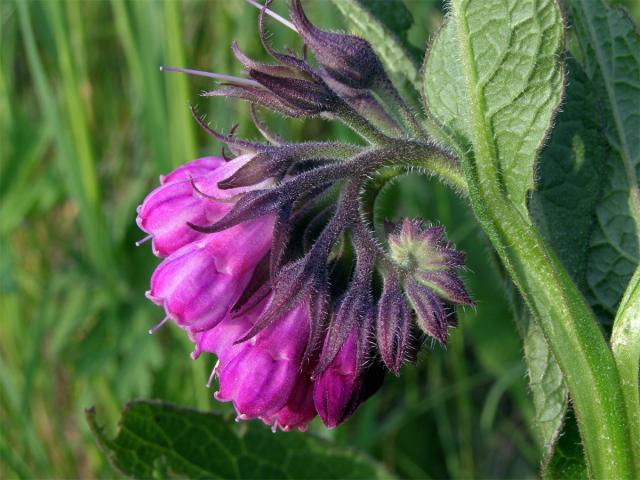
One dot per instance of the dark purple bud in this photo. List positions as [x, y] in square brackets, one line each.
[348, 380]
[347, 58]
[281, 71]
[430, 313]
[263, 165]
[446, 284]
[430, 259]
[310, 97]
[335, 386]
[393, 326]
[258, 96]
[276, 161]
[356, 308]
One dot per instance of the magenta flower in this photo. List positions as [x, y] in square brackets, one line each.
[199, 284]
[203, 275]
[168, 209]
[258, 251]
[262, 375]
[299, 409]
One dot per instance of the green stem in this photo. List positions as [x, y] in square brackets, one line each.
[390, 96]
[566, 320]
[360, 125]
[449, 172]
[625, 342]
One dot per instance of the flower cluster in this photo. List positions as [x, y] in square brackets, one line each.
[269, 258]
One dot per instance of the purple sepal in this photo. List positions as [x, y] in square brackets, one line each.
[430, 313]
[393, 325]
[446, 284]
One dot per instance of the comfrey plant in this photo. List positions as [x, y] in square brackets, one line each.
[273, 263]
[257, 246]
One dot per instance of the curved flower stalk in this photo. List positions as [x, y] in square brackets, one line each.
[252, 246]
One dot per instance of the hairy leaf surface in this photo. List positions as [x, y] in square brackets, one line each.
[162, 439]
[568, 460]
[610, 48]
[548, 390]
[518, 82]
[570, 175]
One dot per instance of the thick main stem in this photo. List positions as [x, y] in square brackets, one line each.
[566, 320]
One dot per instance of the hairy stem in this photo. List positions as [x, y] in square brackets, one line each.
[360, 125]
[392, 98]
[565, 318]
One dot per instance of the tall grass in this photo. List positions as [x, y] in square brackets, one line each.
[87, 123]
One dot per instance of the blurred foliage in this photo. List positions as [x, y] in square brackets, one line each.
[87, 123]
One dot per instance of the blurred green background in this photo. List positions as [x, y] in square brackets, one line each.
[87, 123]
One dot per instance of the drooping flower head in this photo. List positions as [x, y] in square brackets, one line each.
[270, 258]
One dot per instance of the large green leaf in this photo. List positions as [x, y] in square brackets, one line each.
[161, 439]
[610, 47]
[398, 61]
[518, 82]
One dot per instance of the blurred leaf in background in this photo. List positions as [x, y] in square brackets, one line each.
[87, 123]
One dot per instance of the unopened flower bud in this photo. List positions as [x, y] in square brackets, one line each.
[348, 381]
[416, 247]
[346, 58]
[393, 326]
[310, 97]
[430, 262]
